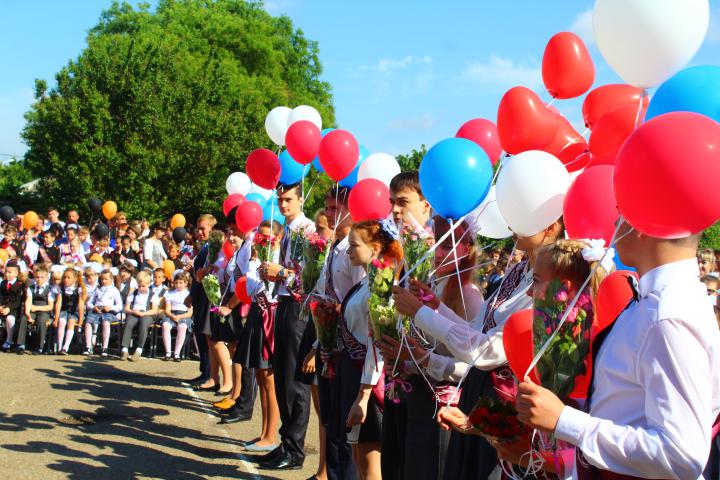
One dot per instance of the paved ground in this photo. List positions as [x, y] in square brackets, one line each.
[93, 418]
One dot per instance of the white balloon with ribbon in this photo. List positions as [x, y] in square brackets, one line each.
[304, 112]
[238, 182]
[647, 41]
[276, 124]
[530, 191]
[380, 166]
[486, 220]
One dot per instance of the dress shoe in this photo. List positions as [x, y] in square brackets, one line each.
[196, 380]
[200, 388]
[247, 443]
[283, 462]
[224, 404]
[254, 448]
[240, 417]
[221, 393]
[267, 458]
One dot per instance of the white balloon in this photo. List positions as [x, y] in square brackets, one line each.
[304, 112]
[262, 191]
[237, 182]
[530, 191]
[647, 41]
[486, 220]
[276, 124]
[381, 166]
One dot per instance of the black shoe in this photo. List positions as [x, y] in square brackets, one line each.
[283, 462]
[200, 388]
[240, 417]
[220, 393]
[20, 350]
[227, 411]
[267, 458]
[195, 381]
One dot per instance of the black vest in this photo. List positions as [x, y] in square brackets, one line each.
[41, 298]
[149, 299]
[70, 301]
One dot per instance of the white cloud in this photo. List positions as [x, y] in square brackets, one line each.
[499, 74]
[582, 26]
[389, 65]
[13, 105]
[278, 7]
[423, 122]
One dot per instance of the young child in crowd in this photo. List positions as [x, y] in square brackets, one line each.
[174, 255]
[70, 299]
[178, 314]
[140, 308]
[125, 252]
[158, 286]
[84, 237]
[706, 262]
[126, 283]
[103, 308]
[48, 252]
[11, 293]
[38, 307]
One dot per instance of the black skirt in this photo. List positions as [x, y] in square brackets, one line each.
[222, 330]
[249, 351]
[471, 456]
[347, 378]
[306, 345]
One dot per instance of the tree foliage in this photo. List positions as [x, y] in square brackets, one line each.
[162, 106]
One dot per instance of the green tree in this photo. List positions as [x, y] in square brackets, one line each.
[711, 237]
[411, 161]
[162, 106]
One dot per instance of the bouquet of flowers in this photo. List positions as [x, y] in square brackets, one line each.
[566, 355]
[381, 277]
[212, 289]
[497, 421]
[264, 246]
[314, 250]
[326, 316]
[210, 282]
[416, 243]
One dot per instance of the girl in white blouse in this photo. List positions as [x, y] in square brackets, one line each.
[178, 314]
[361, 364]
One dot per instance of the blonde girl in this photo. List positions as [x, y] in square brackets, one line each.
[70, 298]
[178, 314]
[103, 308]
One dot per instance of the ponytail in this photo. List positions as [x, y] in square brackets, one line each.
[566, 260]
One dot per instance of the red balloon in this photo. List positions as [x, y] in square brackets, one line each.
[369, 200]
[567, 68]
[595, 161]
[603, 99]
[228, 250]
[241, 291]
[248, 216]
[612, 297]
[589, 209]
[518, 343]
[484, 133]
[338, 154]
[613, 128]
[657, 175]
[232, 201]
[524, 122]
[263, 168]
[302, 141]
[568, 146]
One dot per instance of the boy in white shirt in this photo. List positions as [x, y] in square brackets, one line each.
[140, 309]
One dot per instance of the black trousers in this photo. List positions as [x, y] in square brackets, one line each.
[293, 397]
[200, 314]
[338, 453]
[41, 320]
[248, 391]
[143, 324]
[392, 460]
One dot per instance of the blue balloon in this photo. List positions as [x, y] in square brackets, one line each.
[290, 170]
[695, 89]
[351, 179]
[455, 177]
[621, 266]
[271, 211]
[255, 197]
[316, 162]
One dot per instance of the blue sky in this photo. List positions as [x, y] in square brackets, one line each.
[403, 72]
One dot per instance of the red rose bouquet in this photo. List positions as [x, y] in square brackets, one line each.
[326, 317]
[497, 420]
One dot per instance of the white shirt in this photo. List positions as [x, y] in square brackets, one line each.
[301, 222]
[140, 301]
[255, 286]
[159, 291]
[656, 387]
[90, 289]
[357, 319]
[133, 285]
[466, 341]
[442, 365]
[176, 300]
[153, 250]
[106, 297]
[344, 274]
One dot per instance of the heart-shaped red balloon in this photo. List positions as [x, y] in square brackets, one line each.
[524, 122]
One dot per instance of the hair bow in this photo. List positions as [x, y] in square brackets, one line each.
[595, 251]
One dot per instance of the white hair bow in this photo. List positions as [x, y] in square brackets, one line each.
[595, 251]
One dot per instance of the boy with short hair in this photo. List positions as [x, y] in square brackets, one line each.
[409, 206]
[11, 294]
[48, 253]
[38, 308]
[140, 309]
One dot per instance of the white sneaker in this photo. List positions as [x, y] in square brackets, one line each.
[104, 352]
[87, 352]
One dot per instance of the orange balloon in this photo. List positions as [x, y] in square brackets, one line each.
[96, 257]
[178, 220]
[109, 209]
[169, 268]
[524, 122]
[567, 68]
[4, 255]
[30, 220]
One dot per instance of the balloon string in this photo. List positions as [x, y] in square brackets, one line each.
[305, 197]
[272, 220]
[639, 110]
[475, 267]
[457, 269]
[431, 250]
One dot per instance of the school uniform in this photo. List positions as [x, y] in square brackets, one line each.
[159, 291]
[201, 305]
[655, 394]
[39, 295]
[293, 397]
[177, 300]
[360, 364]
[11, 296]
[256, 342]
[48, 254]
[217, 328]
[126, 288]
[120, 256]
[100, 298]
[141, 302]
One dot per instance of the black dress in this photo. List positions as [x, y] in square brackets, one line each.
[249, 352]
